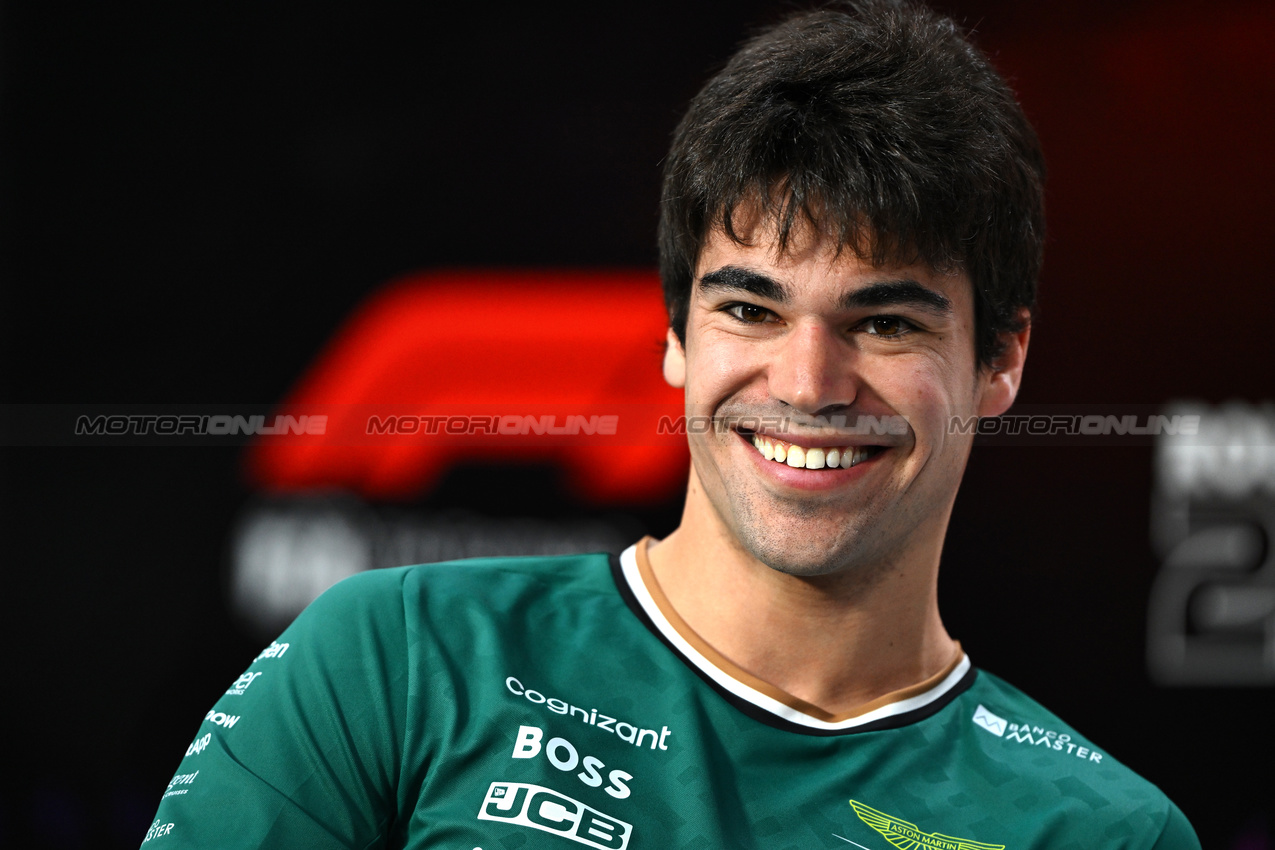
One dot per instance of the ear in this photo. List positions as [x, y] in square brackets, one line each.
[999, 382]
[674, 361]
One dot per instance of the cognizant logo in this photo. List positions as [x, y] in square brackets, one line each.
[626, 732]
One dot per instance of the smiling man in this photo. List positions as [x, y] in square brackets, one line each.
[850, 237]
[851, 233]
[818, 504]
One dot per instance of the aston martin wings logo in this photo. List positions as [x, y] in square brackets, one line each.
[906, 836]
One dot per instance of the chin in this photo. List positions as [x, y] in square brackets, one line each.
[806, 556]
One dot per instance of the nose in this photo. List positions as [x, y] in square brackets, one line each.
[812, 370]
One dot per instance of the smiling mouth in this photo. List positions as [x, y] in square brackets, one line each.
[803, 457]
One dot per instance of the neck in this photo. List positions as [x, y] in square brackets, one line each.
[837, 642]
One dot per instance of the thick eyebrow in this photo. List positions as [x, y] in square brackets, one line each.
[736, 279]
[891, 293]
[896, 293]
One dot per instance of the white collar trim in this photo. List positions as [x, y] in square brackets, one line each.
[629, 568]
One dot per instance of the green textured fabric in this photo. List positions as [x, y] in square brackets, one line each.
[523, 703]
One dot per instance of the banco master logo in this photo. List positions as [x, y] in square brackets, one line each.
[993, 723]
[1033, 736]
[545, 809]
[907, 836]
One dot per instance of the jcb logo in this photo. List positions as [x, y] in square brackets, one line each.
[547, 810]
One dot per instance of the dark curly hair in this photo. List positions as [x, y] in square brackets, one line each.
[882, 125]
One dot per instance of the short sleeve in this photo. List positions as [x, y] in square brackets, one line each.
[1177, 833]
[303, 750]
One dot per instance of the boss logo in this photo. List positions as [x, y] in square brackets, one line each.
[565, 757]
[545, 809]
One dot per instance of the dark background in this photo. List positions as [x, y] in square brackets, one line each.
[195, 195]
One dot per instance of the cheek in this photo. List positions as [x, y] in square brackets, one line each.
[718, 372]
[925, 394]
[903, 384]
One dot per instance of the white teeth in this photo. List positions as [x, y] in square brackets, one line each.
[800, 457]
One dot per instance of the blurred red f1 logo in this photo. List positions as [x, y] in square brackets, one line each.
[495, 367]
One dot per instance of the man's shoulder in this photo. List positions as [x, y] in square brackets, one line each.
[450, 606]
[481, 578]
[588, 571]
[1031, 752]
[1038, 740]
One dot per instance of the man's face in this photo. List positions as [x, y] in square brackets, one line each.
[856, 371]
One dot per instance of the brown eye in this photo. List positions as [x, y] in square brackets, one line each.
[886, 326]
[750, 313]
